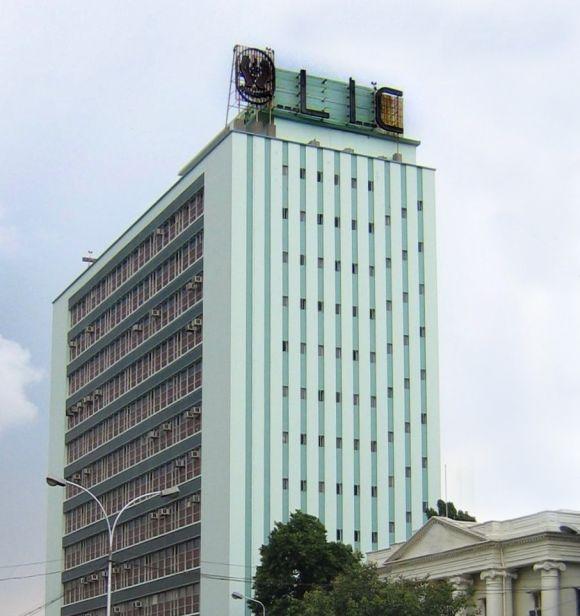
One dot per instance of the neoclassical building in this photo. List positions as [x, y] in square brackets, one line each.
[528, 566]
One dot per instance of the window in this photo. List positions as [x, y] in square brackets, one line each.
[303, 485]
[338, 352]
[373, 446]
[407, 383]
[356, 535]
[321, 395]
[391, 481]
[320, 261]
[285, 213]
[320, 306]
[356, 489]
[319, 176]
[284, 300]
[405, 296]
[423, 374]
[421, 289]
[407, 471]
[355, 268]
[403, 212]
[420, 206]
[371, 270]
[407, 427]
[302, 304]
[390, 348]
[353, 225]
[285, 437]
[371, 185]
[404, 255]
[285, 256]
[284, 169]
[391, 527]
[285, 483]
[374, 491]
[285, 391]
[302, 173]
[337, 308]
[373, 402]
[355, 399]
[387, 220]
[353, 182]
[424, 418]
[338, 530]
[338, 442]
[320, 218]
[284, 345]
[422, 332]
[355, 355]
[372, 314]
[389, 392]
[408, 517]
[336, 179]
[303, 393]
[389, 304]
[406, 340]
[391, 436]
[303, 439]
[339, 488]
[321, 440]
[337, 266]
[302, 259]
[356, 444]
[354, 311]
[374, 537]
[388, 262]
[302, 348]
[424, 462]
[302, 215]
[320, 350]
[337, 222]
[373, 357]
[321, 486]
[420, 246]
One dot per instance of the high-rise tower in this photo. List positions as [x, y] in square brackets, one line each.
[265, 337]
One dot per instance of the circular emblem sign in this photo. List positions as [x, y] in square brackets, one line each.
[255, 76]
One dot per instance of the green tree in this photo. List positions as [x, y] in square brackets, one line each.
[296, 559]
[448, 510]
[362, 593]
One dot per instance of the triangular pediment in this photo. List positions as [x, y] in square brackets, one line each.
[437, 535]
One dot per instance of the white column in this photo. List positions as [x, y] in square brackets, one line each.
[462, 584]
[550, 572]
[498, 596]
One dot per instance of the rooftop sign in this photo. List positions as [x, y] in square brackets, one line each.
[315, 99]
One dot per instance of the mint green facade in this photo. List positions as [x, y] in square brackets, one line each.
[320, 353]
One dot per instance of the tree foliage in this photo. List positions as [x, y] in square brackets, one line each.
[303, 574]
[448, 510]
[296, 559]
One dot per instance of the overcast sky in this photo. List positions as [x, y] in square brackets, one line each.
[102, 102]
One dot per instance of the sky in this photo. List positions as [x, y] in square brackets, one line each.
[102, 102]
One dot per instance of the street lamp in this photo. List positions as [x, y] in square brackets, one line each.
[239, 595]
[167, 493]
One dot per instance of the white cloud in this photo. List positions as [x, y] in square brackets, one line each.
[16, 373]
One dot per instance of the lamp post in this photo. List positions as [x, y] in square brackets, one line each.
[239, 595]
[62, 483]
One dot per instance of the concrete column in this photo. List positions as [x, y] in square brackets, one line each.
[550, 572]
[462, 584]
[499, 596]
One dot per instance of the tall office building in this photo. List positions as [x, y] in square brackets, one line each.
[264, 337]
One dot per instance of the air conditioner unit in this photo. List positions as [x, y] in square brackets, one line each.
[154, 515]
[179, 463]
[84, 580]
[104, 573]
[76, 477]
[196, 498]
[153, 433]
[97, 393]
[73, 344]
[86, 471]
[137, 327]
[90, 329]
[196, 453]
[117, 609]
[198, 279]
[94, 577]
[165, 511]
[167, 427]
[87, 399]
[127, 566]
[71, 411]
[194, 412]
[155, 313]
[137, 603]
[197, 322]
[159, 231]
